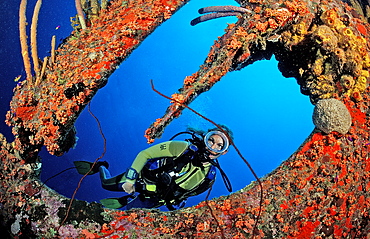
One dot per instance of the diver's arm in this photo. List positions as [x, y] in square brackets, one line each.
[165, 149]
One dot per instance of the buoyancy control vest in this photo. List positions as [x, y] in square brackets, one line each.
[173, 179]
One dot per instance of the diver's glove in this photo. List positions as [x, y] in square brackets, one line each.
[128, 187]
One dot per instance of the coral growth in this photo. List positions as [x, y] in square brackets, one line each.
[81, 66]
[323, 47]
[321, 191]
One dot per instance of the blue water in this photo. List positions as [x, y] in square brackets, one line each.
[269, 116]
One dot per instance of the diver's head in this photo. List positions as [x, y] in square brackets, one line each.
[212, 143]
[217, 143]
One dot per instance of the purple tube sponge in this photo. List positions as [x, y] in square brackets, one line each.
[223, 9]
[212, 16]
[217, 12]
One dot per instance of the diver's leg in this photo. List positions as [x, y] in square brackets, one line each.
[111, 183]
[104, 173]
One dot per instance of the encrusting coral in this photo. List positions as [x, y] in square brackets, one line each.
[321, 191]
[44, 114]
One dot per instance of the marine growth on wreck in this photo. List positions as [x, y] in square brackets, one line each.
[321, 191]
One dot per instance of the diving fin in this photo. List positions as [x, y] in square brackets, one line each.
[83, 167]
[115, 203]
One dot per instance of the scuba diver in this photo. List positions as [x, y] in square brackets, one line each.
[167, 173]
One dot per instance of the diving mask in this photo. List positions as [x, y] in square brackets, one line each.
[212, 145]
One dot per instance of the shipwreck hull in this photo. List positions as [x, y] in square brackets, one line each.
[321, 191]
